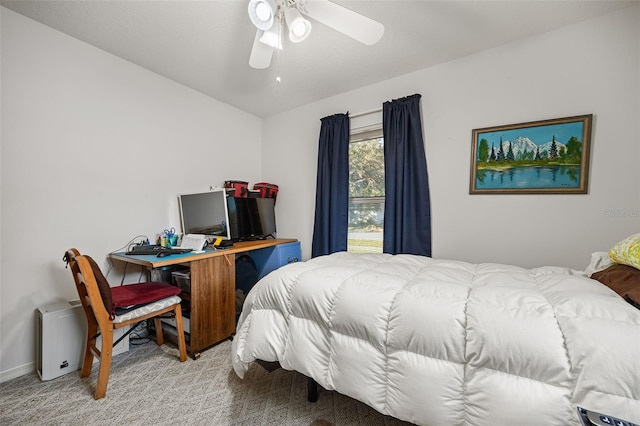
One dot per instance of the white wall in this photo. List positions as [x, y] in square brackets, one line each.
[588, 68]
[94, 153]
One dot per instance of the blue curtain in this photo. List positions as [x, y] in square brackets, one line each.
[407, 209]
[332, 188]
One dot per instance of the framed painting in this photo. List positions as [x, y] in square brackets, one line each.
[539, 157]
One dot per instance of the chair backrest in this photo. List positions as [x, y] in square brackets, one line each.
[70, 259]
[93, 288]
[103, 285]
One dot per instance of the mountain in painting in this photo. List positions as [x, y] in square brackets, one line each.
[524, 148]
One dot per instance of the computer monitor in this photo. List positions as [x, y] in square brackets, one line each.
[205, 213]
[251, 218]
[266, 208]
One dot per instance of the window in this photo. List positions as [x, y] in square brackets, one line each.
[366, 192]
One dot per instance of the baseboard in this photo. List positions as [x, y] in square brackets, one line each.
[7, 375]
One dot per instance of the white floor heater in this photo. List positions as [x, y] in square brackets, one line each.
[62, 330]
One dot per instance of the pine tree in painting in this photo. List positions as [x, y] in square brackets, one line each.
[553, 151]
[500, 154]
[510, 156]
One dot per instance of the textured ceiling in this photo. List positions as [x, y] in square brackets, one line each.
[205, 45]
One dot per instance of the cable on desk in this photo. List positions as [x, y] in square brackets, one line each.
[124, 273]
[126, 246]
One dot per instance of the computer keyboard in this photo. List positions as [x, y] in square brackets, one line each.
[156, 249]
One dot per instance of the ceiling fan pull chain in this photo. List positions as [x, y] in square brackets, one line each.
[280, 17]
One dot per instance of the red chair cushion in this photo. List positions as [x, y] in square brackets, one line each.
[141, 294]
[126, 296]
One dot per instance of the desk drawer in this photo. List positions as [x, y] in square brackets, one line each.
[186, 323]
[182, 280]
[271, 258]
[288, 253]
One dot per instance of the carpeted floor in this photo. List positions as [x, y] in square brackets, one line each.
[149, 386]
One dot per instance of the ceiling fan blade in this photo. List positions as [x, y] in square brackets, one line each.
[260, 53]
[353, 24]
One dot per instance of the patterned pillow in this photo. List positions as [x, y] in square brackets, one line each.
[627, 251]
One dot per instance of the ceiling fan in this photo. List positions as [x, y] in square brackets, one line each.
[270, 17]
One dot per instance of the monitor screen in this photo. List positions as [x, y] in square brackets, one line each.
[205, 213]
[267, 211]
[251, 218]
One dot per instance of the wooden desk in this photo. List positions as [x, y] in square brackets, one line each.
[212, 300]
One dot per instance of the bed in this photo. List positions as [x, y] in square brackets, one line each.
[436, 342]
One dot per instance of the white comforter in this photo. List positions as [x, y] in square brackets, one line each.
[438, 342]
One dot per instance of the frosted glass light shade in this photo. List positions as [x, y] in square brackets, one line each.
[262, 13]
[299, 28]
[271, 37]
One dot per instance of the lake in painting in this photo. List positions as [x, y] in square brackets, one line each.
[529, 177]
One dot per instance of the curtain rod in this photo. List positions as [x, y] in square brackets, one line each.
[360, 114]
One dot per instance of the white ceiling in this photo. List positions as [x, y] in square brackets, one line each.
[205, 45]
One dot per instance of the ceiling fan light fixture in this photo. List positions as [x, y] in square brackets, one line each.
[262, 13]
[299, 28]
[271, 17]
[272, 38]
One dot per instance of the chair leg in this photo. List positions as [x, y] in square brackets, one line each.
[105, 362]
[87, 362]
[159, 335]
[180, 330]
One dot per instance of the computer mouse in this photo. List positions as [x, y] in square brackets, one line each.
[163, 254]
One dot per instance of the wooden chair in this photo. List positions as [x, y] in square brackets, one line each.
[108, 308]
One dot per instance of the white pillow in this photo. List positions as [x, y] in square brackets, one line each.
[600, 261]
